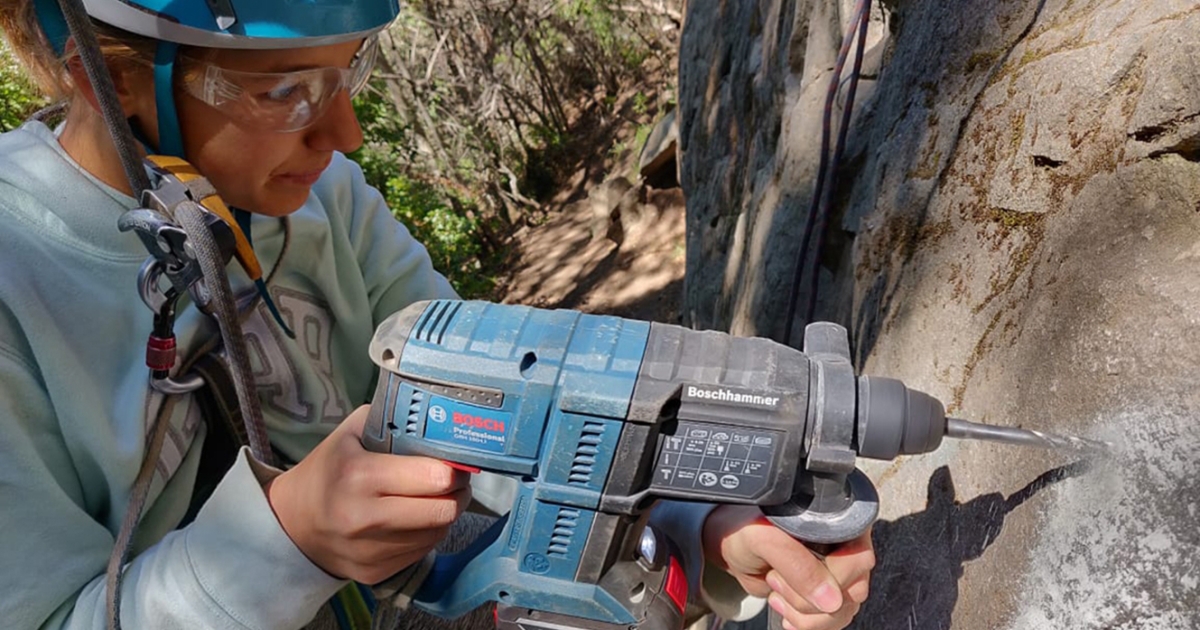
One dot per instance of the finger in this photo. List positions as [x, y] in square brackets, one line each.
[754, 586]
[400, 514]
[427, 477]
[836, 621]
[386, 518]
[802, 571]
[790, 597]
[374, 550]
[354, 423]
[856, 592]
[371, 565]
[859, 591]
[384, 475]
[796, 620]
[411, 547]
[851, 566]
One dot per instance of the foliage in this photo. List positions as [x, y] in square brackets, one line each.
[475, 105]
[490, 93]
[18, 96]
[451, 237]
[446, 224]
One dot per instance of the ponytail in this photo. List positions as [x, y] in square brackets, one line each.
[23, 32]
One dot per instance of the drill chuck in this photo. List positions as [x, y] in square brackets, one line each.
[895, 420]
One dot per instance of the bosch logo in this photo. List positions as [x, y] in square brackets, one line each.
[537, 563]
[467, 426]
[479, 422]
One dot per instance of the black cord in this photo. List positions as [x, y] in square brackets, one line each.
[821, 196]
[839, 149]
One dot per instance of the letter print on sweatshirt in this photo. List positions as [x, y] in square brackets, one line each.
[309, 396]
[275, 374]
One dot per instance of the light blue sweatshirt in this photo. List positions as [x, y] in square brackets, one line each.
[75, 406]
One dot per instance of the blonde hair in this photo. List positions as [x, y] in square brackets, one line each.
[23, 32]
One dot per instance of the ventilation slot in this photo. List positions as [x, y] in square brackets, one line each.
[585, 454]
[414, 413]
[436, 321]
[564, 531]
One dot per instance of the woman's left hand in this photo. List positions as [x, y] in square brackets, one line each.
[808, 593]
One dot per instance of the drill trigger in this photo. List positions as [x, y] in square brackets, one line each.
[463, 467]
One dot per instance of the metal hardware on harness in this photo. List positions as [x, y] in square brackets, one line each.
[185, 384]
[171, 258]
[171, 254]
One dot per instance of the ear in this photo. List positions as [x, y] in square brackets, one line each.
[124, 79]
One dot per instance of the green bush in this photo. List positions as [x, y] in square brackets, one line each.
[608, 27]
[18, 96]
[446, 223]
[453, 240]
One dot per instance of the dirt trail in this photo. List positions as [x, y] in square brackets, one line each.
[558, 264]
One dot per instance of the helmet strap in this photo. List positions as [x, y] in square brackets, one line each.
[54, 25]
[170, 136]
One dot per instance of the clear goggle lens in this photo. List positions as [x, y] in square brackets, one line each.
[280, 101]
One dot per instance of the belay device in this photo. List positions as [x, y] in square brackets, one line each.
[597, 417]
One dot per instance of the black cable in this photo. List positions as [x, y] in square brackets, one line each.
[861, 17]
[839, 149]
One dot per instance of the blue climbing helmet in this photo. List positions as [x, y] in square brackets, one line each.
[238, 23]
[245, 24]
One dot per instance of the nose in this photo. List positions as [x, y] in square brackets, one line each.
[337, 129]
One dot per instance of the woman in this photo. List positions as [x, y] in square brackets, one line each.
[256, 95]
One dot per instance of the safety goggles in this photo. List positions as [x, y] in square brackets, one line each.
[279, 101]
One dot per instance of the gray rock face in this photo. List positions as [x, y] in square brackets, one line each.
[1016, 230]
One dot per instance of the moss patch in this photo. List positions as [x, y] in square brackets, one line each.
[981, 60]
[1018, 129]
[981, 349]
[1032, 227]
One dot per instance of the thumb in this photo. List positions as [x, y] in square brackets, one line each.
[355, 422]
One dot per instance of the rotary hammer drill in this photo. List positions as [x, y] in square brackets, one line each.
[598, 417]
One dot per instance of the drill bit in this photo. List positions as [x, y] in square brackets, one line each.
[965, 429]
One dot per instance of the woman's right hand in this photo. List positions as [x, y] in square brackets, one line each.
[366, 516]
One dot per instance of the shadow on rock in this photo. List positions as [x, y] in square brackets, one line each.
[921, 556]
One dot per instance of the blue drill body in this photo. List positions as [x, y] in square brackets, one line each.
[596, 418]
[556, 428]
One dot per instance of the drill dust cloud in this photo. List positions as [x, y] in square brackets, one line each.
[1120, 546]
